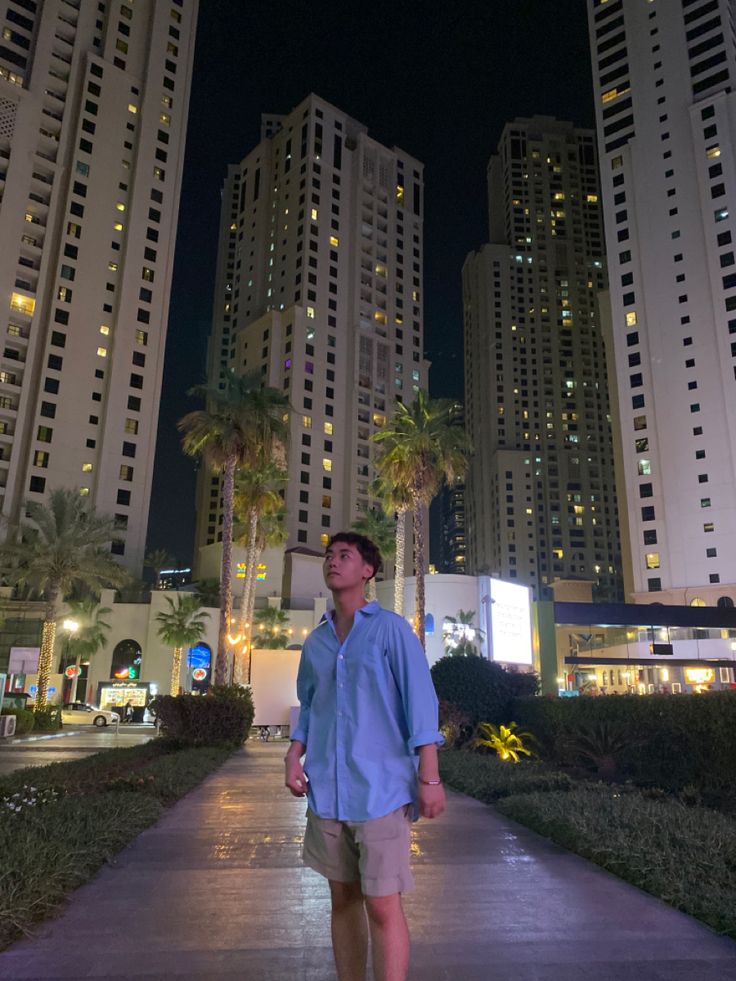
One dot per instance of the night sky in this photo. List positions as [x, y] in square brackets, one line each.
[438, 79]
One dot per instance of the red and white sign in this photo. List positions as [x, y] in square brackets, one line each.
[72, 671]
[199, 674]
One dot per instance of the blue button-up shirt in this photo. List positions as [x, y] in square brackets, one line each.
[366, 705]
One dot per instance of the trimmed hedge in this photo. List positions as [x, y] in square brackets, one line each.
[686, 856]
[223, 717]
[24, 720]
[676, 742]
[481, 690]
[486, 778]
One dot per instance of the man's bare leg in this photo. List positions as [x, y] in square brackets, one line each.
[389, 937]
[349, 931]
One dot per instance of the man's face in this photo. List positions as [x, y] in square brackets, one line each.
[344, 567]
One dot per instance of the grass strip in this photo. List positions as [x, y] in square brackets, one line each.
[685, 856]
[487, 778]
[78, 816]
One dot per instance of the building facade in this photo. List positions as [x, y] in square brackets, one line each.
[93, 113]
[663, 81]
[319, 287]
[540, 495]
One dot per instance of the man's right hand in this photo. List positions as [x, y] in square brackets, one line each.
[296, 779]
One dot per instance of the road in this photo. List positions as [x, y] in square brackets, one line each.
[72, 743]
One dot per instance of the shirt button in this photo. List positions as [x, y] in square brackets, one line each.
[341, 657]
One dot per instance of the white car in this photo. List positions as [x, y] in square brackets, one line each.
[77, 713]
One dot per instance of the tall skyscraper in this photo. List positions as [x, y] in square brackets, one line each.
[319, 287]
[664, 76]
[93, 113]
[540, 493]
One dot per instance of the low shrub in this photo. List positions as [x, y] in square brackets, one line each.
[487, 778]
[684, 855]
[667, 741]
[479, 689]
[24, 720]
[58, 825]
[455, 726]
[223, 717]
[47, 719]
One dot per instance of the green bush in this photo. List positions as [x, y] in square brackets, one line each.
[674, 742]
[223, 717]
[479, 689]
[685, 856]
[487, 778]
[47, 719]
[24, 720]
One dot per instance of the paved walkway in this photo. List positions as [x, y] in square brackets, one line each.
[217, 890]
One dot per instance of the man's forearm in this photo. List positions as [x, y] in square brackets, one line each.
[428, 763]
[297, 749]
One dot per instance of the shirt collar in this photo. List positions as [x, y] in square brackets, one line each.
[368, 610]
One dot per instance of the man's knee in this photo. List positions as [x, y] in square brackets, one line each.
[345, 895]
[383, 909]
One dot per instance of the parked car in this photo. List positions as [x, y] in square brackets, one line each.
[80, 713]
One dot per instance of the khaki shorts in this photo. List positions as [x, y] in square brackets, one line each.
[375, 852]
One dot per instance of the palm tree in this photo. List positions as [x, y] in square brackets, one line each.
[271, 633]
[90, 635]
[158, 560]
[239, 426]
[381, 529]
[64, 545]
[182, 626]
[256, 496]
[271, 530]
[422, 449]
[396, 501]
[208, 592]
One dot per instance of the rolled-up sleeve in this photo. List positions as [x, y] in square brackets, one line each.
[304, 692]
[414, 681]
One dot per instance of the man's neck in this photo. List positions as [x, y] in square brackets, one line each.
[347, 602]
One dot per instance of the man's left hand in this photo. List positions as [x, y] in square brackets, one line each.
[432, 800]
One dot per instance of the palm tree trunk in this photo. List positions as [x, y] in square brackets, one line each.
[226, 580]
[46, 654]
[175, 671]
[399, 564]
[244, 631]
[251, 613]
[419, 569]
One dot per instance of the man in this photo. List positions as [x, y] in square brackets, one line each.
[368, 726]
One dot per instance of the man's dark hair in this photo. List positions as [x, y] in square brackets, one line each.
[369, 551]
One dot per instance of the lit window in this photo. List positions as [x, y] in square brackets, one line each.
[104, 329]
[592, 199]
[380, 317]
[112, 266]
[379, 419]
[328, 429]
[24, 304]
[131, 426]
[84, 491]
[399, 194]
[380, 270]
[307, 422]
[141, 337]
[645, 468]
[334, 240]
[315, 214]
[631, 319]
[327, 464]
[712, 152]
[415, 295]
[652, 560]
[86, 468]
[120, 206]
[165, 118]
[118, 226]
[132, 108]
[324, 539]
[709, 526]
[102, 352]
[611, 94]
[310, 312]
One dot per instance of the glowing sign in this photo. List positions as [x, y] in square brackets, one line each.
[72, 671]
[700, 676]
[242, 567]
[511, 628]
[199, 674]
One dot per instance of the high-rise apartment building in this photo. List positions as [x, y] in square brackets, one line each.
[319, 287]
[93, 112]
[664, 76]
[540, 497]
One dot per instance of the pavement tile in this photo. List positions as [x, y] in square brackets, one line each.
[217, 890]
